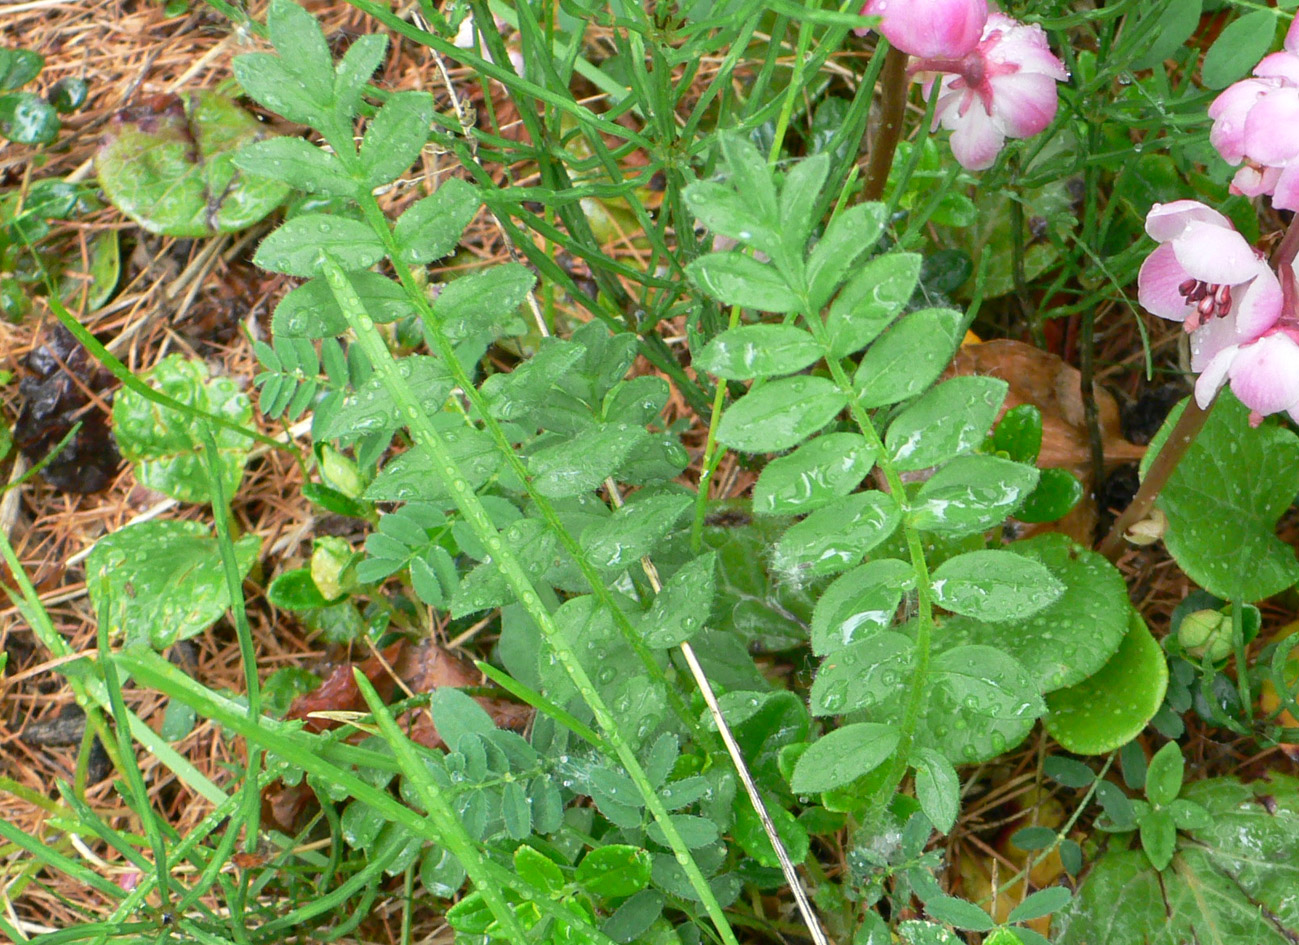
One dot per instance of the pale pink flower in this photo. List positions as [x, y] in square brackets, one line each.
[944, 29]
[1204, 271]
[1256, 126]
[1264, 374]
[1004, 88]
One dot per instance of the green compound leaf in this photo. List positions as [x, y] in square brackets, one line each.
[949, 420]
[862, 674]
[870, 301]
[1238, 49]
[938, 789]
[1110, 708]
[849, 235]
[843, 756]
[835, 538]
[909, 357]
[162, 581]
[614, 871]
[859, 603]
[752, 836]
[432, 227]
[165, 445]
[972, 494]
[994, 585]
[1224, 500]
[737, 279]
[301, 165]
[814, 475]
[681, 608]
[311, 311]
[1070, 639]
[633, 531]
[780, 414]
[749, 351]
[395, 136]
[1234, 877]
[296, 247]
[173, 171]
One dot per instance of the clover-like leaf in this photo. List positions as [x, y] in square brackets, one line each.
[160, 582]
[171, 168]
[166, 445]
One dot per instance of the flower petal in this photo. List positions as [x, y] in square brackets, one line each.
[1281, 65]
[931, 29]
[1259, 305]
[1229, 111]
[1285, 188]
[1214, 376]
[1157, 285]
[1272, 128]
[1024, 101]
[1165, 221]
[1216, 254]
[1211, 338]
[976, 137]
[1265, 375]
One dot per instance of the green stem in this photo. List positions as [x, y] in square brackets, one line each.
[470, 506]
[1242, 667]
[712, 456]
[375, 217]
[924, 591]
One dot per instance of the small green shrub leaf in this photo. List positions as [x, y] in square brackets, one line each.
[843, 756]
[814, 475]
[750, 351]
[780, 414]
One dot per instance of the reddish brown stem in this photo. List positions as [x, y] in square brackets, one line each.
[1174, 448]
[888, 132]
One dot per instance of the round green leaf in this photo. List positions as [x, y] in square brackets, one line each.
[1224, 500]
[861, 675]
[166, 445]
[172, 171]
[162, 581]
[1111, 708]
[752, 836]
[1238, 49]
[28, 119]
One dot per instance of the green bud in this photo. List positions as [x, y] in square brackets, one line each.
[331, 567]
[1206, 633]
[341, 473]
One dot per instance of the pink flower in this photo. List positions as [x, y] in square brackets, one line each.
[1004, 88]
[1204, 271]
[1256, 125]
[946, 29]
[1264, 374]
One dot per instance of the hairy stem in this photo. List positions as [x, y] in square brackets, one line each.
[889, 131]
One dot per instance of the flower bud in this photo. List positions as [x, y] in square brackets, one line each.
[331, 560]
[341, 473]
[934, 29]
[1206, 633]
